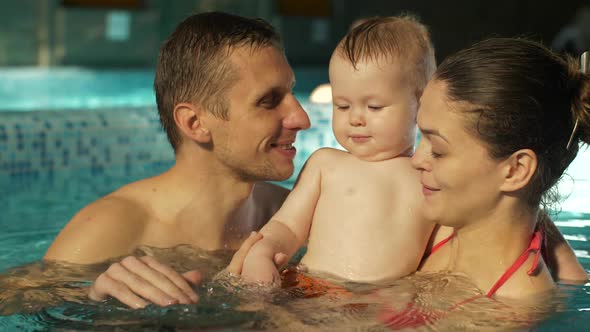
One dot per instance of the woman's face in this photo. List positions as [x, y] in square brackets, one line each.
[460, 181]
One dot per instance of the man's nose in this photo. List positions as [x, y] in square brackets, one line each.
[297, 118]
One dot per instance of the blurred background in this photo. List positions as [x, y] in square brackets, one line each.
[78, 117]
[128, 33]
[77, 109]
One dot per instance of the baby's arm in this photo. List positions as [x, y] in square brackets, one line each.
[259, 264]
[288, 229]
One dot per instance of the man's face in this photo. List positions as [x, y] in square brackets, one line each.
[256, 143]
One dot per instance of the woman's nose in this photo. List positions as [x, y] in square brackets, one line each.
[418, 160]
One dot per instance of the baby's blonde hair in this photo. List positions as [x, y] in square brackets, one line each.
[402, 38]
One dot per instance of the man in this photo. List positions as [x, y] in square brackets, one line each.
[224, 94]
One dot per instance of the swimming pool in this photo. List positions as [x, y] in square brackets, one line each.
[71, 135]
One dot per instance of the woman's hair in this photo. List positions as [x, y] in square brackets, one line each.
[520, 95]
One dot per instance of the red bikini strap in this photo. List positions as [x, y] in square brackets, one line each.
[534, 246]
[441, 243]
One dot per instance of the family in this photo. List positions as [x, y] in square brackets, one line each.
[497, 133]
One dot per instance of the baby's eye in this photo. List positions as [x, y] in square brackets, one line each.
[435, 155]
[342, 107]
[375, 108]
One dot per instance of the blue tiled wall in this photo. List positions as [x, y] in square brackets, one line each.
[40, 144]
[45, 145]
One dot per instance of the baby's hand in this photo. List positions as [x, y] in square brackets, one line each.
[261, 270]
[253, 266]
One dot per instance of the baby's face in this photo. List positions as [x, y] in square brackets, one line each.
[375, 108]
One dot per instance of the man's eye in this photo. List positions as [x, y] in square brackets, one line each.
[270, 102]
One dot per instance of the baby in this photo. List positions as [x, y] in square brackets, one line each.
[358, 209]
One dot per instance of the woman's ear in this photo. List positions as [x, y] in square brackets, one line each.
[518, 170]
[189, 120]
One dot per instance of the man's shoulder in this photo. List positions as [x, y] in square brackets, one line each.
[117, 205]
[108, 227]
[127, 202]
[112, 212]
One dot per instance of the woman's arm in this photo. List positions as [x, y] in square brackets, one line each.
[558, 254]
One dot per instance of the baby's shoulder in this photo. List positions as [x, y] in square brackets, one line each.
[407, 179]
[329, 153]
[404, 171]
[327, 156]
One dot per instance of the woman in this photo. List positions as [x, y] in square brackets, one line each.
[500, 122]
[499, 129]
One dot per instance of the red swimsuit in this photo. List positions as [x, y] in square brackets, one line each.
[412, 317]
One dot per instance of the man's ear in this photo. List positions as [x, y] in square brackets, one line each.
[189, 120]
[518, 170]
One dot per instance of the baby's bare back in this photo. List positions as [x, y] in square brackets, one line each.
[367, 225]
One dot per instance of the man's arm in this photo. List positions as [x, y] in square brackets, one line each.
[558, 254]
[289, 227]
[109, 227]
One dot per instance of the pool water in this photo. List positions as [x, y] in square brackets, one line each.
[70, 136]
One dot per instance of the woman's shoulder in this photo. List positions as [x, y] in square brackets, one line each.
[523, 286]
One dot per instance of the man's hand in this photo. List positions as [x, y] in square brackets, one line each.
[137, 281]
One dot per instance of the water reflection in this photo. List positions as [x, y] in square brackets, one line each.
[44, 296]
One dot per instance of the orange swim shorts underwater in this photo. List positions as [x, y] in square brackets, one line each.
[304, 286]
